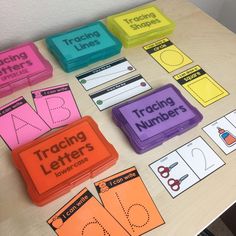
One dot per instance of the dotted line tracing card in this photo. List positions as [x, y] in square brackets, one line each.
[187, 165]
[120, 92]
[201, 85]
[125, 196]
[20, 124]
[167, 55]
[223, 132]
[84, 215]
[105, 73]
[56, 105]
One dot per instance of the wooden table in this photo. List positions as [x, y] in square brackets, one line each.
[210, 45]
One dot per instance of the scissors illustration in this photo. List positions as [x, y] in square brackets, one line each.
[175, 183]
[165, 171]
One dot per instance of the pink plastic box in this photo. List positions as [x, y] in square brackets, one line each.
[22, 66]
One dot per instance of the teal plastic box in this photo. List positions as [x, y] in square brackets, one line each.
[83, 46]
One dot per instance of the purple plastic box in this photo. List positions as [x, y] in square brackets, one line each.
[22, 66]
[150, 120]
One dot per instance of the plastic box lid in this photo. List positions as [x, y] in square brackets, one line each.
[150, 120]
[82, 46]
[140, 25]
[52, 165]
[22, 66]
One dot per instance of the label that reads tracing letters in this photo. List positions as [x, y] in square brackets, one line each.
[82, 41]
[157, 112]
[73, 151]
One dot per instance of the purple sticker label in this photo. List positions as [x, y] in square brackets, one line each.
[156, 113]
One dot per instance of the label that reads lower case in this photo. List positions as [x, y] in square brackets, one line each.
[120, 92]
[19, 63]
[167, 55]
[63, 155]
[201, 86]
[83, 41]
[157, 113]
[125, 196]
[105, 73]
[142, 20]
[84, 215]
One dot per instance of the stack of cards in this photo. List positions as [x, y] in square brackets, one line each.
[80, 47]
[52, 165]
[140, 25]
[158, 116]
[22, 66]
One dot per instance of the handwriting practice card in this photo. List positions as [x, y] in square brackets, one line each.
[105, 73]
[125, 196]
[201, 86]
[167, 55]
[186, 166]
[223, 132]
[120, 92]
[20, 124]
[56, 105]
[84, 215]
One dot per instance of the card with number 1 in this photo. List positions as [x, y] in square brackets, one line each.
[125, 196]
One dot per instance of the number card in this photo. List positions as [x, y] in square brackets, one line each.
[186, 166]
[201, 86]
[84, 215]
[20, 124]
[105, 73]
[120, 92]
[56, 105]
[223, 132]
[137, 213]
[167, 55]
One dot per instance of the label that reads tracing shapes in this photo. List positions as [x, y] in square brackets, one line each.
[67, 156]
[167, 55]
[158, 112]
[201, 86]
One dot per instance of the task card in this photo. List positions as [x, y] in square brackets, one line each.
[140, 25]
[167, 55]
[201, 86]
[20, 124]
[105, 73]
[120, 92]
[53, 164]
[187, 165]
[22, 66]
[56, 105]
[125, 196]
[223, 132]
[84, 215]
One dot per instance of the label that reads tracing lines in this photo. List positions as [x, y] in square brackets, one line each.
[201, 86]
[62, 158]
[167, 55]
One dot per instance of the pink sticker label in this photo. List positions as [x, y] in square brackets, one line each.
[56, 105]
[20, 124]
[20, 62]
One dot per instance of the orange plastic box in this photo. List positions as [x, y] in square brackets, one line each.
[54, 164]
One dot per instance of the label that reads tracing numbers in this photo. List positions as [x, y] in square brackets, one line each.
[201, 86]
[137, 213]
[84, 215]
[120, 92]
[105, 73]
[167, 55]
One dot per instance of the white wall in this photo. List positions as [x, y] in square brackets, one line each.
[22, 20]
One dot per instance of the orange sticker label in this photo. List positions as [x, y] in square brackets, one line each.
[64, 157]
[125, 196]
[84, 215]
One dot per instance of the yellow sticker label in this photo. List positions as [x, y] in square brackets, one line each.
[201, 86]
[141, 21]
[168, 55]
